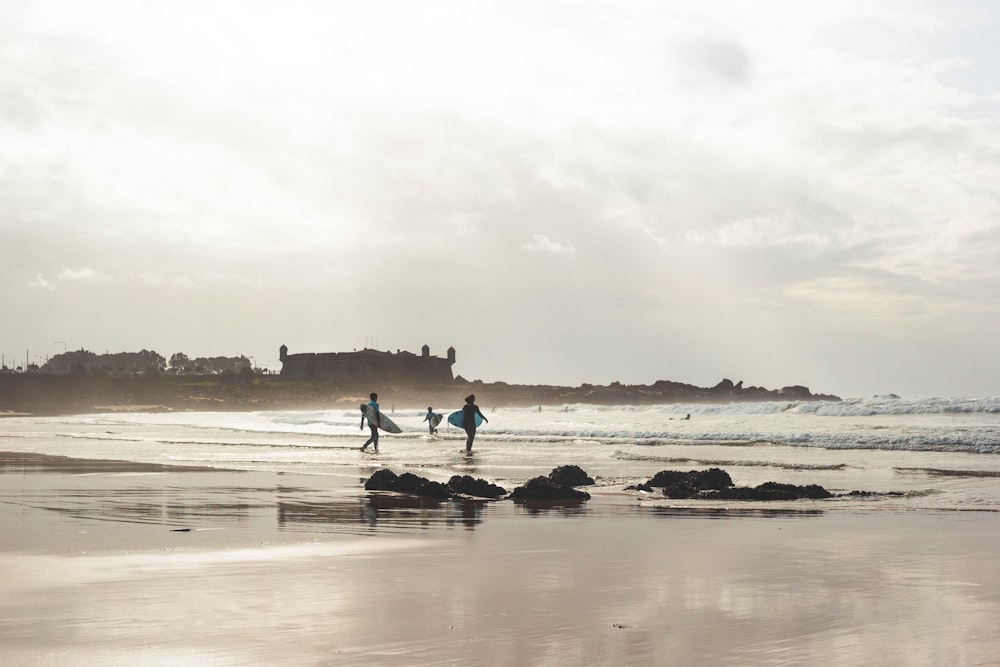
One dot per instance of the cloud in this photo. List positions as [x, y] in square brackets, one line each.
[65, 276]
[543, 245]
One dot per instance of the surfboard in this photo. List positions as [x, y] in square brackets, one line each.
[435, 419]
[383, 422]
[458, 418]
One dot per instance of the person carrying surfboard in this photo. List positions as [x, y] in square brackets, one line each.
[373, 425]
[469, 412]
[432, 419]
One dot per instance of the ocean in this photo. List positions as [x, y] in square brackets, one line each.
[911, 453]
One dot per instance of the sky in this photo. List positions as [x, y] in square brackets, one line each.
[783, 193]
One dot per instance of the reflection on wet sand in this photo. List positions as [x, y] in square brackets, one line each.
[148, 566]
[206, 498]
[380, 510]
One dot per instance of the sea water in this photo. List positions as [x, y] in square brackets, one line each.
[909, 453]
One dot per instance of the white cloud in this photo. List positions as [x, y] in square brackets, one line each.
[543, 245]
[39, 281]
[83, 274]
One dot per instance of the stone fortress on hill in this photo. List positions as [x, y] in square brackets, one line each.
[368, 366]
[432, 377]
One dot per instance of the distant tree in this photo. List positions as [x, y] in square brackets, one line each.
[149, 362]
[180, 363]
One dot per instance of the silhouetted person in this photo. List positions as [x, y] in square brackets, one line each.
[373, 425]
[469, 412]
[430, 419]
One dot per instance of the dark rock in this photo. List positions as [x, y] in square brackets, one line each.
[382, 480]
[570, 476]
[873, 494]
[386, 480]
[434, 490]
[543, 488]
[725, 386]
[480, 488]
[770, 491]
[696, 480]
[716, 484]
[409, 483]
[640, 487]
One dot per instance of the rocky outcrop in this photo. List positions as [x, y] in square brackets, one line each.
[557, 486]
[387, 480]
[459, 485]
[769, 491]
[465, 485]
[686, 484]
[570, 475]
[543, 488]
[716, 484]
[616, 393]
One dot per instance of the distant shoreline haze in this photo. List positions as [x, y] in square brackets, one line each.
[51, 393]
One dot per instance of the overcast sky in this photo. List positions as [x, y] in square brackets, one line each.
[775, 192]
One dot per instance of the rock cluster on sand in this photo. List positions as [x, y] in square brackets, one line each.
[459, 485]
[387, 480]
[570, 476]
[543, 488]
[716, 484]
[557, 486]
[711, 484]
[467, 486]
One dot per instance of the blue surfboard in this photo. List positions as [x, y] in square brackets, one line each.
[458, 419]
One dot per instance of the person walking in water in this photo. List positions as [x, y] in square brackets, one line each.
[373, 425]
[469, 412]
[432, 420]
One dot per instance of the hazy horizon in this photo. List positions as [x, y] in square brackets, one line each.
[785, 193]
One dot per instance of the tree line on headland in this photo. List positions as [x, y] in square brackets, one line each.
[83, 382]
[144, 362]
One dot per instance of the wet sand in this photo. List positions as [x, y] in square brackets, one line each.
[117, 563]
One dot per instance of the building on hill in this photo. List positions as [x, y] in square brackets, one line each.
[368, 367]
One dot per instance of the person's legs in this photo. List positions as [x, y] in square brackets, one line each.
[372, 440]
[471, 435]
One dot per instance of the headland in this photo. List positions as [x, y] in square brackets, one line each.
[38, 393]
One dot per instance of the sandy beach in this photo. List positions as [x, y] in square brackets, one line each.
[120, 563]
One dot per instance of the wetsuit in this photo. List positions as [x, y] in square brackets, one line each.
[469, 412]
[373, 440]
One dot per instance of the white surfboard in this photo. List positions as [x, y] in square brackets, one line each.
[379, 419]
